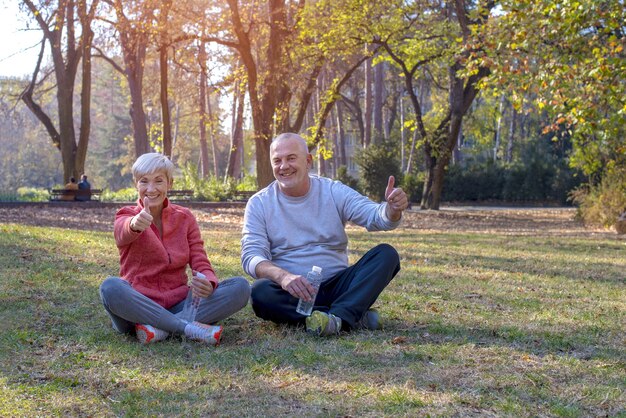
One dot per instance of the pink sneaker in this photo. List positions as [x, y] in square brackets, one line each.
[208, 334]
[147, 334]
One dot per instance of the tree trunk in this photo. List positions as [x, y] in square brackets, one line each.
[137, 114]
[393, 113]
[165, 107]
[457, 155]
[202, 106]
[497, 134]
[265, 103]
[65, 70]
[402, 135]
[341, 136]
[379, 91]
[236, 137]
[133, 36]
[438, 147]
[85, 94]
[512, 128]
[212, 133]
[367, 112]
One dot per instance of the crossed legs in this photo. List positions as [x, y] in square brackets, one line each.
[127, 307]
[348, 295]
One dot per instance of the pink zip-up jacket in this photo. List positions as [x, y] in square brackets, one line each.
[156, 266]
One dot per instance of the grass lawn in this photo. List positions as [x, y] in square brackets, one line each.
[476, 323]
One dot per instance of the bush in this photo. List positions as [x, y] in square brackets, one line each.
[123, 195]
[31, 194]
[247, 183]
[213, 189]
[542, 177]
[25, 194]
[413, 186]
[376, 164]
[474, 182]
[601, 205]
[345, 178]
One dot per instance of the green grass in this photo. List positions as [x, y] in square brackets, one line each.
[475, 324]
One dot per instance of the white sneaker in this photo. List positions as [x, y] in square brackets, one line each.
[207, 334]
[147, 334]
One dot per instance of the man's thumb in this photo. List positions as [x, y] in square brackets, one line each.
[146, 208]
[389, 188]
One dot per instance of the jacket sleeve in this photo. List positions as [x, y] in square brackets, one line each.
[121, 229]
[198, 259]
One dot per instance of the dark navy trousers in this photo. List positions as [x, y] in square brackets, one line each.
[348, 295]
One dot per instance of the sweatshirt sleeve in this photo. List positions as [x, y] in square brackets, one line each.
[255, 245]
[359, 209]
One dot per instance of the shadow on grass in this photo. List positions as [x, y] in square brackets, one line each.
[552, 258]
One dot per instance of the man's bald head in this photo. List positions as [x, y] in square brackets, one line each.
[290, 137]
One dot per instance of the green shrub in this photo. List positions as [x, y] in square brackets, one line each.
[345, 178]
[247, 183]
[376, 164]
[123, 195]
[413, 186]
[212, 189]
[474, 182]
[601, 205]
[32, 194]
[538, 176]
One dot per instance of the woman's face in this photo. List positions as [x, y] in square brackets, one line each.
[154, 186]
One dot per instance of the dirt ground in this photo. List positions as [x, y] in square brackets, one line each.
[524, 221]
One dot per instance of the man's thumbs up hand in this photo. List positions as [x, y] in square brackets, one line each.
[389, 189]
[143, 219]
[397, 200]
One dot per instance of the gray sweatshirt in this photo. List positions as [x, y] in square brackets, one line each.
[296, 233]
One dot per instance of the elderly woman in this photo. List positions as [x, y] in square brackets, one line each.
[157, 240]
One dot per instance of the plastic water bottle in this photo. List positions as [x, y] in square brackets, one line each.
[315, 278]
[190, 310]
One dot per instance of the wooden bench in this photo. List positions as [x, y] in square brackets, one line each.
[70, 195]
[242, 195]
[180, 195]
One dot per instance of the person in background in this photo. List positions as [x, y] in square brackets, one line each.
[297, 222]
[83, 184]
[70, 186]
[157, 240]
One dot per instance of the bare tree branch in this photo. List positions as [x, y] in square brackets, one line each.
[27, 98]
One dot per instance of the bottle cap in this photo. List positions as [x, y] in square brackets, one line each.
[317, 269]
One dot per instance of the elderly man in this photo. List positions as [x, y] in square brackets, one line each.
[297, 222]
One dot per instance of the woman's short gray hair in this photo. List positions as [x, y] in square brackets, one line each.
[152, 162]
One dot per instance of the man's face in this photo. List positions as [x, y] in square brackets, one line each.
[290, 164]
